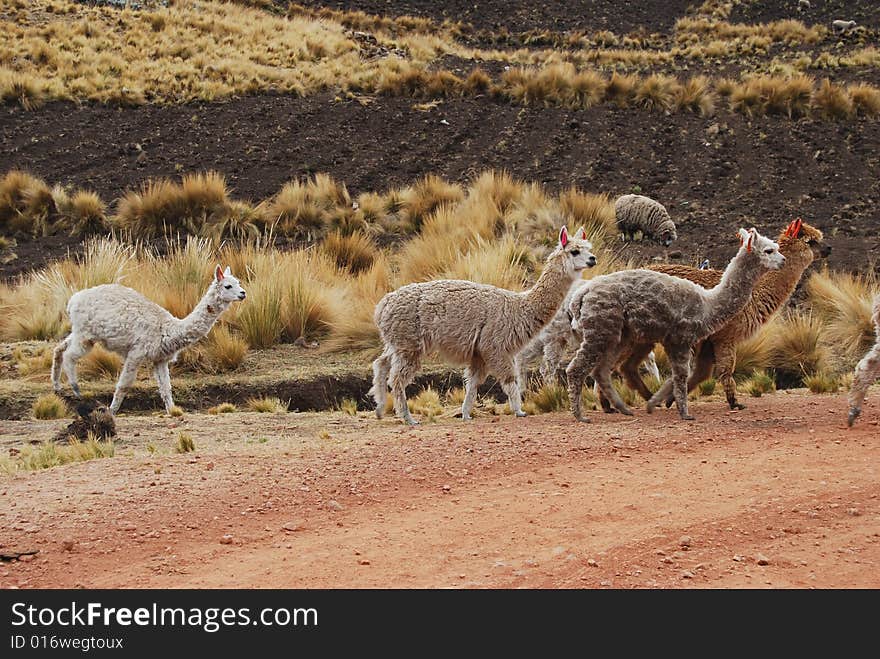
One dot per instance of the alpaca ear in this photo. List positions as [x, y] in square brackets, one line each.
[563, 236]
[218, 273]
[227, 272]
[753, 233]
[796, 227]
[743, 236]
[581, 234]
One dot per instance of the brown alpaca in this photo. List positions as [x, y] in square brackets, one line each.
[630, 307]
[800, 244]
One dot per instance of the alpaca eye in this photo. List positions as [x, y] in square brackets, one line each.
[575, 252]
[228, 286]
[769, 250]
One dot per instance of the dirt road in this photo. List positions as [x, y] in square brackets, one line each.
[779, 495]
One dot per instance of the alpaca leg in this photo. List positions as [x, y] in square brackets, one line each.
[379, 390]
[650, 365]
[866, 372]
[553, 351]
[607, 407]
[163, 379]
[702, 368]
[473, 378]
[664, 392]
[72, 355]
[403, 368]
[509, 385]
[602, 374]
[126, 379]
[57, 357]
[679, 360]
[584, 361]
[629, 369]
[725, 365]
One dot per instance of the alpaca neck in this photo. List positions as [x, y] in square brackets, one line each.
[734, 290]
[778, 285]
[195, 326]
[543, 300]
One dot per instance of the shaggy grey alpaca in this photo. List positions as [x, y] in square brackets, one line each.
[866, 372]
[643, 306]
[481, 326]
[555, 340]
[635, 212]
[127, 323]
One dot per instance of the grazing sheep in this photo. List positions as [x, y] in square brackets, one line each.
[478, 325]
[866, 372]
[127, 323]
[842, 27]
[631, 307]
[639, 213]
[800, 244]
[554, 341]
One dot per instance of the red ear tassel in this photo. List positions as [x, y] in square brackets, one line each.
[796, 229]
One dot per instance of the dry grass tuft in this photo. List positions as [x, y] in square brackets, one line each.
[50, 454]
[354, 253]
[843, 303]
[185, 443]
[267, 405]
[49, 406]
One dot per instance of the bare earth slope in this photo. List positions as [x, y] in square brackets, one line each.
[779, 495]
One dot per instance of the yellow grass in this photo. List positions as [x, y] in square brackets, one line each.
[49, 406]
[50, 454]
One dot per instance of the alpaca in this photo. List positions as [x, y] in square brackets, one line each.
[554, 341]
[127, 323]
[800, 244]
[478, 325]
[622, 308]
[867, 371]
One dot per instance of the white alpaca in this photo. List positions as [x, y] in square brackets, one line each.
[481, 326]
[867, 370]
[129, 324]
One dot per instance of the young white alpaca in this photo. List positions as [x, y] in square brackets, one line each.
[127, 323]
[867, 371]
[481, 326]
[630, 306]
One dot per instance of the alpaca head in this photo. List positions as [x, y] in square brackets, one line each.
[225, 289]
[765, 250]
[576, 252]
[803, 241]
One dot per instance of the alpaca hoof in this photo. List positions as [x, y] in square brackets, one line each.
[669, 402]
[609, 410]
[520, 414]
[737, 406]
[467, 417]
[582, 419]
[380, 413]
[853, 415]
[627, 412]
[688, 417]
[411, 422]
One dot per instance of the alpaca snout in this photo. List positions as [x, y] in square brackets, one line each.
[591, 261]
[242, 295]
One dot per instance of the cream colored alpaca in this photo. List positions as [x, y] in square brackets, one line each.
[867, 371]
[481, 326]
[621, 309]
[129, 324]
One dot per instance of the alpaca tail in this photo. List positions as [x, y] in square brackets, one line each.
[57, 356]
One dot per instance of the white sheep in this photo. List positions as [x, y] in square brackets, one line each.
[481, 326]
[842, 27]
[867, 370]
[127, 323]
[639, 213]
